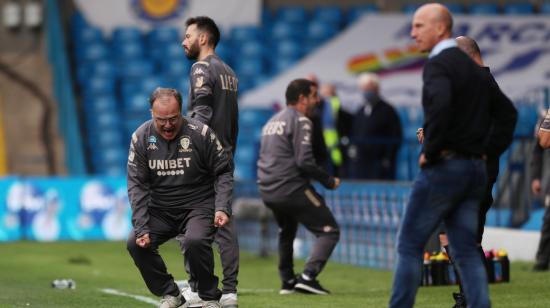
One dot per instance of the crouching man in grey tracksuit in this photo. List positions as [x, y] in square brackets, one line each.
[179, 182]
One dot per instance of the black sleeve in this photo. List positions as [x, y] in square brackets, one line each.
[138, 186]
[438, 94]
[536, 161]
[303, 153]
[221, 164]
[202, 89]
[504, 117]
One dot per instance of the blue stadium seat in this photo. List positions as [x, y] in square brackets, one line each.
[136, 103]
[246, 83]
[249, 49]
[151, 82]
[96, 123]
[284, 30]
[167, 52]
[241, 34]
[330, 14]
[247, 153]
[251, 67]
[175, 68]
[92, 52]
[100, 104]
[129, 50]
[254, 117]
[97, 85]
[126, 34]
[162, 35]
[108, 138]
[545, 7]
[136, 68]
[319, 31]
[357, 11]
[132, 123]
[289, 49]
[280, 64]
[109, 156]
[483, 9]
[519, 8]
[181, 84]
[291, 14]
[245, 171]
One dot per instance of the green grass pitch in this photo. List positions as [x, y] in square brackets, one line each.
[27, 269]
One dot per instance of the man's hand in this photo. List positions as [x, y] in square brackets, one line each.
[143, 241]
[420, 135]
[535, 186]
[337, 183]
[220, 219]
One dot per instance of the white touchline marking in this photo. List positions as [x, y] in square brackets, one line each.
[140, 298]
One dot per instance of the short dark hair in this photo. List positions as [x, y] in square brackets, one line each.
[205, 23]
[297, 87]
[162, 92]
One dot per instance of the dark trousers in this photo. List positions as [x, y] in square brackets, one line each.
[198, 228]
[543, 252]
[484, 207]
[308, 208]
[227, 240]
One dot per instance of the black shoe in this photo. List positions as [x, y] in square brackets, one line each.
[460, 300]
[310, 286]
[540, 267]
[288, 287]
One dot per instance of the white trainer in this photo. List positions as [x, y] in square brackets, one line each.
[211, 304]
[229, 300]
[192, 298]
[169, 301]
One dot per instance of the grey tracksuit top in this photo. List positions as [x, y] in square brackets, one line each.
[190, 171]
[213, 98]
[286, 162]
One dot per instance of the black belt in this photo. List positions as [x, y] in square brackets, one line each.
[450, 154]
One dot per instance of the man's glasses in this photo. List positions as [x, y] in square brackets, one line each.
[173, 120]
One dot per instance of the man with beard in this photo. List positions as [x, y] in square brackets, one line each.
[285, 168]
[180, 181]
[213, 101]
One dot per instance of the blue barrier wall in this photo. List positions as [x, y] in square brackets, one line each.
[97, 208]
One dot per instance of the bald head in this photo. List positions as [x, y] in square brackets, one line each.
[431, 24]
[470, 47]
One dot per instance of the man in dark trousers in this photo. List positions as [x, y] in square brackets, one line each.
[213, 101]
[499, 139]
[180, 181]
[285, 168]
[537, 166]
[451, 183]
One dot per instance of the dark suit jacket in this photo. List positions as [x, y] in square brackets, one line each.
[459, 99]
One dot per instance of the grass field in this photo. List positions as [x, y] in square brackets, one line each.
[27, 268]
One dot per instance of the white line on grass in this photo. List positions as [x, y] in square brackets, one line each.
[140, 298]
[149, 300]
